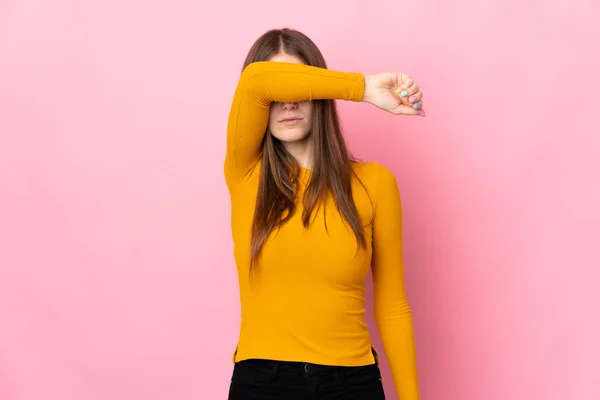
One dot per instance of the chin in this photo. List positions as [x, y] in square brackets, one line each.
[290, 136]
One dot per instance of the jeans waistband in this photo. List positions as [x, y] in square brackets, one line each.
[276, 367]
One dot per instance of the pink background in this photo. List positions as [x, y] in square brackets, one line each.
[116, 271]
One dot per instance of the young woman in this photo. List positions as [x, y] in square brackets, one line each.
[308, 222]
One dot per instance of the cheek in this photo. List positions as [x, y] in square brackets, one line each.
[306, 108]
[272, 116]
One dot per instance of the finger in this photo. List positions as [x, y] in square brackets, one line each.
[403, 82]
[414, 94]
[416, 101]
[403, 93]
[407, 88]
[415, 98]
[416, 108]
[408, 110]
[406, 80]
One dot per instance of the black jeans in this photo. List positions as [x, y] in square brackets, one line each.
[258, 379]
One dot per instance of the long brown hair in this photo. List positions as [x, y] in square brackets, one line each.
[331, 170]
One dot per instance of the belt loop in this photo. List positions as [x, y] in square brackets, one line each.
[342, 374]
[339, 374]
[274, 370]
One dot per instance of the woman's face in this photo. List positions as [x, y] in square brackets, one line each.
[290, 122]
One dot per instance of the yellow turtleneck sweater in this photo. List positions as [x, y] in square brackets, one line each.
[306, 300]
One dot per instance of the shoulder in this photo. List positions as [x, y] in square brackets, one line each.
[380, 182]
[374, 174]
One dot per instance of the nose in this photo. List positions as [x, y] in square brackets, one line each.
[290, 106]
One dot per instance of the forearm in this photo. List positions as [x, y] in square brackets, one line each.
[397, 336]
[263, 83]
[287, 82]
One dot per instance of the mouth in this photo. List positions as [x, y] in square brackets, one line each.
[291, 121]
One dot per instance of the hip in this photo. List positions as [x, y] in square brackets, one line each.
[263, 379]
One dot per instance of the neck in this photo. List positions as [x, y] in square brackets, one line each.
[302, 151]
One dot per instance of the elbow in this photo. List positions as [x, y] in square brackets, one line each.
[253, 82]
[251, 70]
[255, 71]
[395, 311]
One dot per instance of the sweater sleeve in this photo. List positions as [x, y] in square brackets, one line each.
[264, 82]
[391, 308]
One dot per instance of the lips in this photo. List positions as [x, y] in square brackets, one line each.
[291, 121]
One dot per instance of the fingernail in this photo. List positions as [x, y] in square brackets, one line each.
[412, 100]
[404, 93]
[421, 115]
[417, 106]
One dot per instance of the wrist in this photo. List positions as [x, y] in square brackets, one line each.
[368, 89]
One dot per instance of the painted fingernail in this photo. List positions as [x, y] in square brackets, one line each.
[417, 106]
[421, 115]
[404, 94]
[412, 100]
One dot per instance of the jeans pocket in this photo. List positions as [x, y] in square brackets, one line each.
[242, 385]
[247, 376]
[364, 376]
